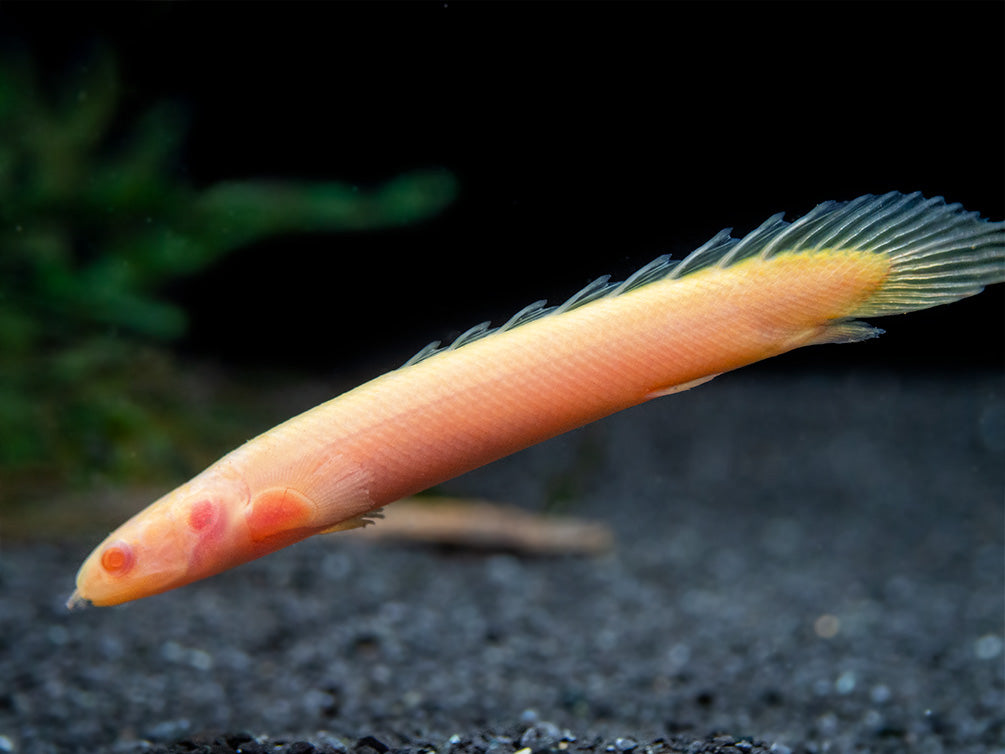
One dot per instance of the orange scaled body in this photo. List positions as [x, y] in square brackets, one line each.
[669, 327]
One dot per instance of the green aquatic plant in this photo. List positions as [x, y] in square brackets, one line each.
[94, 221]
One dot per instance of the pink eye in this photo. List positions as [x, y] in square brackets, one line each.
[117, 558]
[202, 515]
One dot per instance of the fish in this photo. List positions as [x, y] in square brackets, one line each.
[670, 326]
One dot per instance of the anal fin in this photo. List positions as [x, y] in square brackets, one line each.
[846, 331]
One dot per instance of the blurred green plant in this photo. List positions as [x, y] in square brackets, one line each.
[94, 220]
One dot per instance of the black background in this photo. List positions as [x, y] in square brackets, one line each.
[587, 139]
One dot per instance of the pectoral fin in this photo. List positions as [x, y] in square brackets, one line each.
[356, 522]
[278, 510]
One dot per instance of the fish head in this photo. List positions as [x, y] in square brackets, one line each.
[188, 534]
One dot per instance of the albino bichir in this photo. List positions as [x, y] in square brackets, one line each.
[670, 326]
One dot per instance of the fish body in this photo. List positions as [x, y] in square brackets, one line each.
[670, 326]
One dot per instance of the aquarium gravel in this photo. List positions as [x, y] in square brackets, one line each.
[804, 563]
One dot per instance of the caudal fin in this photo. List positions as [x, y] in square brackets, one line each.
[938, 252]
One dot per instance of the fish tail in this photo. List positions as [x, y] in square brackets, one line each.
[938, 252]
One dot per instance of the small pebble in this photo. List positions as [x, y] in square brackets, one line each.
[540, 737]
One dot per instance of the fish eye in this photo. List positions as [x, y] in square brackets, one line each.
[117, 558]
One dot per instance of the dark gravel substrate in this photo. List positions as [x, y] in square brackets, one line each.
[804, 563]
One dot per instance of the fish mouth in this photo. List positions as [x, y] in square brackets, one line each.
[77, 601]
